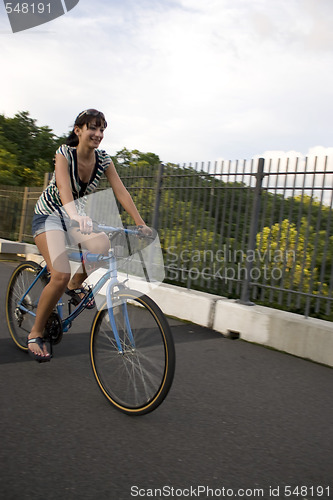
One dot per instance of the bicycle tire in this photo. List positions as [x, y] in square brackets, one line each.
[137, 381]
[20, 323]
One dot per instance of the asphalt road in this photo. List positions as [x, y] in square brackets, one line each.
[238, 417]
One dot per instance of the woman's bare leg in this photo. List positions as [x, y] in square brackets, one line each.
[60, 274]
[52, 246]
[95, 243]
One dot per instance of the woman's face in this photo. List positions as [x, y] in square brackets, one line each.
[90, 135]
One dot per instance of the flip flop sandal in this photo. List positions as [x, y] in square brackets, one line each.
[38, 357]
[76, 299]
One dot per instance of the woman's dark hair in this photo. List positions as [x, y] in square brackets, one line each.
[85, 118]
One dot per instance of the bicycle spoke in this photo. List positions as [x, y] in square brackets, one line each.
[134, 378]
[20, 319]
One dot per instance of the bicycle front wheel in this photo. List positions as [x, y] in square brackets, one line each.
[20, 320]
[136, 373]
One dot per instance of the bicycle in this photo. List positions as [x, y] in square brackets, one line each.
[132, 352]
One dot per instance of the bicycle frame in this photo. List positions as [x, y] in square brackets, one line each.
[131, 347]
[110, 275]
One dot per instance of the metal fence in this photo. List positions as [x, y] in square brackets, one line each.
[16, 208]
[259, 231]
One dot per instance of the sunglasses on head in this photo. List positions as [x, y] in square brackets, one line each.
[91, 112]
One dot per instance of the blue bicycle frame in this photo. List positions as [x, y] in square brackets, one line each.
[111, 275]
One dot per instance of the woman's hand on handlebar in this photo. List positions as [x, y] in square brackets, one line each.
[145, 230]
[85, 223]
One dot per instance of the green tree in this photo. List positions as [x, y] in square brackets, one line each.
[32, 146]
[8, 165]
[286, 254]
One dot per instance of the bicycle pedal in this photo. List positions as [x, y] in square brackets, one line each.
[53, 329]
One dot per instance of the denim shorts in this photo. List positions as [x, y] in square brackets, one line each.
[43, 223]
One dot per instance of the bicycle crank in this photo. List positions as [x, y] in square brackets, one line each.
[53, 329]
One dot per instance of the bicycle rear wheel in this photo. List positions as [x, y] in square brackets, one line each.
[19, 321]
[137, 380]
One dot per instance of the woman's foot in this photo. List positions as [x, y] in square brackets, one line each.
[37, 348]
[77, 294]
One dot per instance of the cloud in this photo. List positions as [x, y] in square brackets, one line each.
[187, 80]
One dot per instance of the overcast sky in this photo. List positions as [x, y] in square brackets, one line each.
[190, 80]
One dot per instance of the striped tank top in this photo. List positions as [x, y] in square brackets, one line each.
[49, 200]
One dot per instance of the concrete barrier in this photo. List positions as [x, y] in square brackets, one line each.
[13, 248]
[308, 338]
[189, 305]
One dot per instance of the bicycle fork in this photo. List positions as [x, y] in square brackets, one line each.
[113, 321]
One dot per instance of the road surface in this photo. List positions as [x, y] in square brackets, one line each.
[241, 421]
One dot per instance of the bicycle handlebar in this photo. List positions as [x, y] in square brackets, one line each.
[96, 228]
[93, 257]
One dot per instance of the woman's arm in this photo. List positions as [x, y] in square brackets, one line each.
[64, 184]
[123, 195]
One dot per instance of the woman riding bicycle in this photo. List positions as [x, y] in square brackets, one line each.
[79, 165]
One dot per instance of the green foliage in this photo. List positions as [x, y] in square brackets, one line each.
[286, 253]
[8, 166]
[29, 148]
[204, 222]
